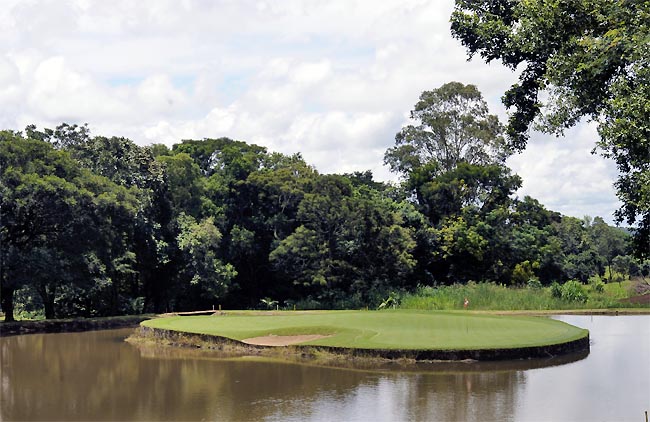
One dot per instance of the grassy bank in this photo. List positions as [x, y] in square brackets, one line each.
[390, 329]
[488, 296]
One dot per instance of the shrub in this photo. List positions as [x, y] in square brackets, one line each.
[523, 272]
[308, 303]
[534, 283]
[573, 291]
[556, 289]
[598, 286]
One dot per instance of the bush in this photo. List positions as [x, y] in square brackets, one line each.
[308, 303]
[598, 286]
[556, 290]
[573, 291]
[534, 283]
[523, 272]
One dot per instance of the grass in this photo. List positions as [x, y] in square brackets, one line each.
[489, 296]
[389, 329]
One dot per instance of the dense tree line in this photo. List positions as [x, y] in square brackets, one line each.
[94, 225]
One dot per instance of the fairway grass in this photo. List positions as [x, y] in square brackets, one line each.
[383, 330]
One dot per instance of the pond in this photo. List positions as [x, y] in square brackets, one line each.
[97, 376]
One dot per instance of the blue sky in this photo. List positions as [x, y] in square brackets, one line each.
[333, 80]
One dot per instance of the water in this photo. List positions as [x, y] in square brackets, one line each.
[97, 376]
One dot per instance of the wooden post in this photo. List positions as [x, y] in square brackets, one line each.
[219, 307]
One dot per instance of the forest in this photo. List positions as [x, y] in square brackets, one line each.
[98, 226]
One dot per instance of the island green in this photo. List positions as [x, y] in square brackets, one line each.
[385, 330]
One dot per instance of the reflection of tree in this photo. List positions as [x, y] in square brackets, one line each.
[475, 396]
[95, 375]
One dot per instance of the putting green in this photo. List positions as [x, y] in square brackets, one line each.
[389, 329]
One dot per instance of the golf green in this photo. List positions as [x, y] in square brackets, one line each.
[382, 330]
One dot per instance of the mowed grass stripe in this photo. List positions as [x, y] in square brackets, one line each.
[390, 329]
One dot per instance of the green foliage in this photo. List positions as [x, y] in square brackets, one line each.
[590, 58]
[534, 283]
[490, 296]
[28, 304]
[204, 278]
[54, 214]
[185, 183]
[597, 285]
[96, 226]
[524, 272]
[573, 291]
[391, 301]
[453, 127]
[269, 303]
[556, 290]
[481, 296]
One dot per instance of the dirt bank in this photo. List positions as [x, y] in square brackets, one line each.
[178, 338]
[282, 340]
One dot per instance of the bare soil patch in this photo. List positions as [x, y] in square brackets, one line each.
[272, 340]
[640, 299]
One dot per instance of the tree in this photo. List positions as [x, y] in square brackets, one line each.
[203, 277]
[185, 183]
[591, 58]
[233, 159]
[609, 242]
[54, 215]
[453, 126]
[351, 248]
[533, 238]
[38, 209]
[622, 264]
[580, 257]
[304, 258]
[482, 188]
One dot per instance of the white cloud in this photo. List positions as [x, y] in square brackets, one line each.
[311, 73]
[563, 174]
[159, 95]
[334, 80]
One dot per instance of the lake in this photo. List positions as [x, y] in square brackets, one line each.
[97, 376]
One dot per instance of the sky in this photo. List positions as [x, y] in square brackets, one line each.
[334, 80]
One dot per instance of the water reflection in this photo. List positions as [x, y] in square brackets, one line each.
[96, 376]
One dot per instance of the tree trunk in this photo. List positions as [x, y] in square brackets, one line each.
[49, 307]
[7, 301]
[48, 300]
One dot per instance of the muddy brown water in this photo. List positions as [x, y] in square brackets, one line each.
[97, 376]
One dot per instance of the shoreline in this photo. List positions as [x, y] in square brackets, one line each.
[74, 325]
[223, 344]
[544, 312]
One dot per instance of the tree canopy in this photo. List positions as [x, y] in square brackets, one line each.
[95, 225]
[580, 59]
[452, 127]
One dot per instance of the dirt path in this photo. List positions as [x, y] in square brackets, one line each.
[282, 340]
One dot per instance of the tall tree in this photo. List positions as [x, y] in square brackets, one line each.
[203, 278]
[481, 188]
[352, 245]
[609, 242]
[590, 58]
[452, 126]
[185, 184]
[53, 217]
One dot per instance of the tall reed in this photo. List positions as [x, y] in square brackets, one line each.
[490, 296]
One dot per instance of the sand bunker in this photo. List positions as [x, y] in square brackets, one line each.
[282, 340]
